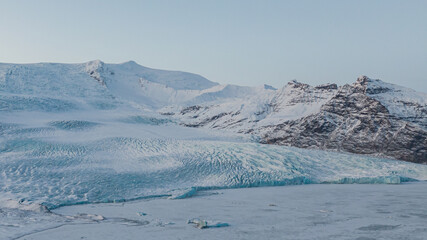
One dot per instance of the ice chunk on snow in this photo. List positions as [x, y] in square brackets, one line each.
[200, 223]
[23, 205]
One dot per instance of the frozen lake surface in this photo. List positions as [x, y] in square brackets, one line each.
[317, 211]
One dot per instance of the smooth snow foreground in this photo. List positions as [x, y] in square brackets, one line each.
[292, 212]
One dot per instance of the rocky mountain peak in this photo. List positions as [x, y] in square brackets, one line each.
[269, 87]
[94, 69]
[363, 80]
[328, 86]
[95, 64]
[361, 84]
[295, 84]
[364, 118]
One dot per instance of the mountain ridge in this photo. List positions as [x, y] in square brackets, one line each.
[367, 117]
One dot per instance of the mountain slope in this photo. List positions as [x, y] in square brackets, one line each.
[354, 122]
[368, 117]
[127, 83]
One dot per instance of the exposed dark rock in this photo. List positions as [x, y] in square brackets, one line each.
[327, 86]
[353, 122]
[167, 113]
[352, 118]
[190, 109]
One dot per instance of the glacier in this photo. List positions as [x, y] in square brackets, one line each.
[63, 162]
[67, 139]
[97, 132]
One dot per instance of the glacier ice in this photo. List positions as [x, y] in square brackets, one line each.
[68, 139]
[57, 168]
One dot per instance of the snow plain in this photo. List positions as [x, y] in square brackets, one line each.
[327, 211]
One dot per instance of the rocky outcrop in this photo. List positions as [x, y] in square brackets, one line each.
[353, 122]
[351, 118]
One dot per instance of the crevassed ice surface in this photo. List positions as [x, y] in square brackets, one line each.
[61, 162]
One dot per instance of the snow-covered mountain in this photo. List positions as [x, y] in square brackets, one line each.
[367, 117]
[96, 132]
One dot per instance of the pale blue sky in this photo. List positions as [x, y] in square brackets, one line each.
[239, 42]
